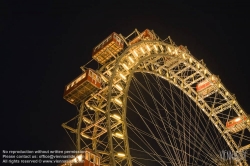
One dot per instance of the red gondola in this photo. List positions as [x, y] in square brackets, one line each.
[82, 87]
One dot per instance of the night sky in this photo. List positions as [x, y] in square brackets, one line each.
[44, 43]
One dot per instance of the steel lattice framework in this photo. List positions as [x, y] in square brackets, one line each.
[102, 120]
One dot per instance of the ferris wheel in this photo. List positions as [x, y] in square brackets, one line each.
[153, 103]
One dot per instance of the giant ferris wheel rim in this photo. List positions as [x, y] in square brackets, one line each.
[190, 92]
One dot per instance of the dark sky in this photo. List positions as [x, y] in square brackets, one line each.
[43, 44]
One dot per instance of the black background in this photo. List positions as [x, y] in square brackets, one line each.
[43, 44]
